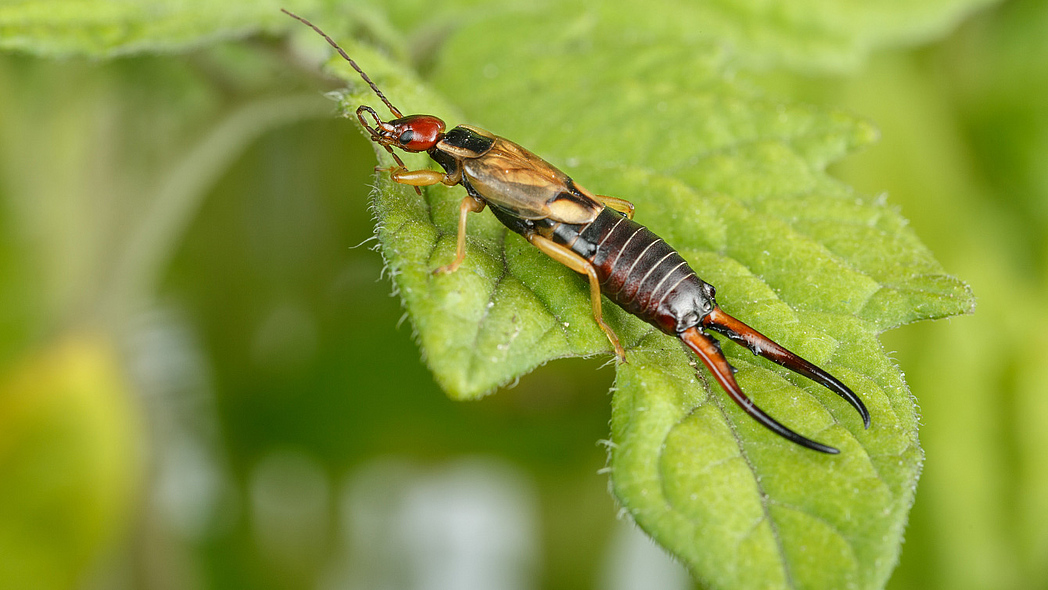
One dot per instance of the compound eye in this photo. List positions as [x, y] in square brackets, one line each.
[406, 137]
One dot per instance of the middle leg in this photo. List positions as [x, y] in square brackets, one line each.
[579, 264]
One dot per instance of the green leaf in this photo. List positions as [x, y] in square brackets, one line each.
[108, 28]
[736, 181]
[807, 35]
[803, 35]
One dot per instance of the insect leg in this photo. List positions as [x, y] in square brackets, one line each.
[761, 345]
[468, 205]
[621, 205]
[579, 264]
[402, 175]
[710, 354]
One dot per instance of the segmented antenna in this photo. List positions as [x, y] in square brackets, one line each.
[396, 112]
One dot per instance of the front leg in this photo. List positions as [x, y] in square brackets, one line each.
[402, 175]
[468, 205]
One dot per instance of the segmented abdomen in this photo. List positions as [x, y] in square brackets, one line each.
[643, 274]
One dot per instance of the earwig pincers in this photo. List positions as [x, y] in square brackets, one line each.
[594, 235]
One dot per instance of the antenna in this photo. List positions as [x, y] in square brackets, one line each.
[396, 112]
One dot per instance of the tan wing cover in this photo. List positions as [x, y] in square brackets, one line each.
[513, 178]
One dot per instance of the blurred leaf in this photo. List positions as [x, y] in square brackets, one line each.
[103, 181]
[1000, 82]
[70, 451]
[813, 35]
[803, 35]
[736, 181]
[107, 28]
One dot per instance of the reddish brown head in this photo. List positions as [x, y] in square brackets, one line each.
[414, 133]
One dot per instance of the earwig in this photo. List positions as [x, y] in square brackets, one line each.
[594, 235]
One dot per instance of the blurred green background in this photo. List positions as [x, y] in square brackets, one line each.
[205, 383]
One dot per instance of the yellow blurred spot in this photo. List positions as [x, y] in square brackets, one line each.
[70, 449]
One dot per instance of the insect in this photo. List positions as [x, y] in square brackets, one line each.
[594, 235]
